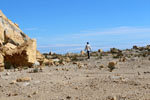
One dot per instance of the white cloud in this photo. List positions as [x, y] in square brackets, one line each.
[114, 31]
[60, 45]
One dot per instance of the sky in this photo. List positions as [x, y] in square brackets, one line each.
[63, 26]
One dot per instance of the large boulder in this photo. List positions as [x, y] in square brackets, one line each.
[114, 50]
[16, 48]
[23, 55]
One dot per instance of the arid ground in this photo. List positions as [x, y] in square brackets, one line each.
[91, 80]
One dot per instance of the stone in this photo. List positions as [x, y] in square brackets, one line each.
[114, 98]
[112, 65]
[36, 64]
[35, 92]
[80, 65]
[13, 82]
[56, 63]
[101, 66]
[123, 59]
[114, 50]
[67, 60]
[100, 50]
[135, 47]
[68, 97]
[82, 52]
[46, 62]
[148, 47]
[55, 60]
[30, 96]
[76, 63]
[24, 79]
[39, 57]
[51, 62]
[63, 63]
[7, 73]
[15, 94]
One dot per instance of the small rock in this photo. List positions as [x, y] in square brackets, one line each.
[139, 73]
[63, 63]
[24, 79]
[100, 50]
[75, 63]
[30, 96]
[7, 73]
[15, 94]
[56, 60]
[82, 52]
[13, 82]
[15, 69]
[9, 94]
[111, 66]
[34, 93]
[114, 98]
[68, 97]
[135, 47]
[67, 60]
[80, 65]
[101, 66]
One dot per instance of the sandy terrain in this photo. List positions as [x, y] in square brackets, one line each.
[130, 80]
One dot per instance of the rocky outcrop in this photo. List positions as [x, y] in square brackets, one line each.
[16, 48]
[10, 32]
[23, 55]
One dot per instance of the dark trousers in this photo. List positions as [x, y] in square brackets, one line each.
[88, 53]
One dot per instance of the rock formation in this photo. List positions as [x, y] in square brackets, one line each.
[16, 48]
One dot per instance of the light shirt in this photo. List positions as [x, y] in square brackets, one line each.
[88, 47]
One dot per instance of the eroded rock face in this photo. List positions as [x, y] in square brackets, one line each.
[16, 48]
[10, 32]
[23, 55]
[9, 46]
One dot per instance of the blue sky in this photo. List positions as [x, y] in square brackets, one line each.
[66, 25]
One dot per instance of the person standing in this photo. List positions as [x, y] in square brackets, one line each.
[88, 49]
